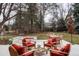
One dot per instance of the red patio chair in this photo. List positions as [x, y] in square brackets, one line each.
[16, 50]
[61, 52]
[51, 42]
[28, 43]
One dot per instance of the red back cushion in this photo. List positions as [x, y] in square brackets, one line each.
[26, 43]
[54, 40]
[19, 49]
[66, 48]
[24, 40]
[49, 40]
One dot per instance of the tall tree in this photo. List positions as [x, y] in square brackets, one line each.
[43, 7]
[5, 12]
[26, 20]
[53, 10]
[32, 14]
[61, 25]
[76, 12]
[61, 20]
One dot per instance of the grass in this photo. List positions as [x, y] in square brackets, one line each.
[40, 35]
[66, 36]
[43, 36]
[6, 37]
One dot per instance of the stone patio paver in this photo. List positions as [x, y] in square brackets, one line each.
[4, 50]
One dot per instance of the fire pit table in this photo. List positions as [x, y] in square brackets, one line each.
[40, 51]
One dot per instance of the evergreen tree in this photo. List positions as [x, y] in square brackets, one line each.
[76, 12]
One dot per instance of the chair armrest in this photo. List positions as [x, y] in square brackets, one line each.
[53, 42]
[55, 53]
[29, 53]
[45, 42]
[33, 42]
[61, 52]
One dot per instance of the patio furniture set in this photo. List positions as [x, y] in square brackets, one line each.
[51, 47]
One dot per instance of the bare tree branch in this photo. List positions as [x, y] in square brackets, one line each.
[9, 11]
[1, 4]
[12, 17]
[4, 10]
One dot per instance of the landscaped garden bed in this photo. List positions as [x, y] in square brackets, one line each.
[4, 42]
[5, 39]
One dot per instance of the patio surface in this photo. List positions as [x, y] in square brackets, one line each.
[73, 52]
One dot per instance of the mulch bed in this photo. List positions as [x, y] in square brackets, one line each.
[4, 42]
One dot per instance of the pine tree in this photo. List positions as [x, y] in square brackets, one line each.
[76, 12]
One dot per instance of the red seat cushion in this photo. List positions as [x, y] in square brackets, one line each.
[28, 44]
[55, 53]
[19, 49]
[66, 48]
[48, 45]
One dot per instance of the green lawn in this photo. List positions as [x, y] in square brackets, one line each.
[66, 36]
[43, 35]
[6, 37]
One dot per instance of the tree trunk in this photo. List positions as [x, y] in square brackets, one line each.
[31, 26]
[1, 26]
[71, 38]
